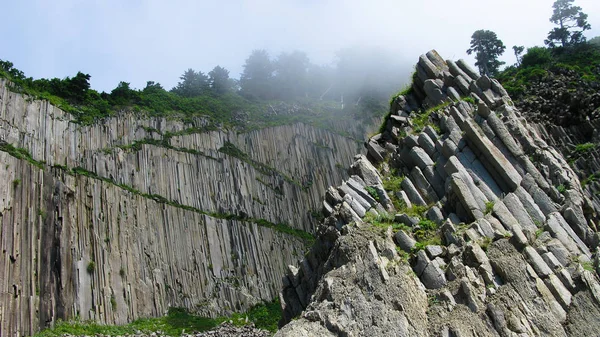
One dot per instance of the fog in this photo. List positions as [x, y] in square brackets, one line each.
[137, 41]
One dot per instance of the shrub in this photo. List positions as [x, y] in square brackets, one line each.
[489, 207]
[91, 267]
[536, 56]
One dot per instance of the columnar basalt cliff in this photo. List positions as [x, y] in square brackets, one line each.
[471, 225]
[131, 216]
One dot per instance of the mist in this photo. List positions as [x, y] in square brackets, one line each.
[140, 41]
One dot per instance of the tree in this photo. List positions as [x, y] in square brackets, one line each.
[291, 74]
[518, 51]
[595, 41]
[77, 87]
[218, 79]
[487, 48]
[571, 21]
[123, 94]
[257, 79]
[192, 84]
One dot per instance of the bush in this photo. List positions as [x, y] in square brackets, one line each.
[536, 56]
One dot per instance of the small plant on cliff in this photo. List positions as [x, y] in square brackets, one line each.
[16, 182]
[489, 207]
[91, 267]
[372, 192]
[584, 148]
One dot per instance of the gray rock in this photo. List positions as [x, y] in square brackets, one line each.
[426, 144]
[493, 156]
[420, 157]
[433, 277]
[435, 214]
[412, 193]
[464, 66]
[364, 169]
[536, 261]
[406, 220]
[377, 152]
[434, 92]
[434, 251]
[484, 83]
[404, 241]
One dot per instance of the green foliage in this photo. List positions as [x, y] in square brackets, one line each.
[518, 50]
[393, 182]
[582, 59]
[571, 22]
[427, 225]
[264, 316]
[537, 56]
[16, 182]
[591, 178]
[372, 192]
[489, 207]
[193, 84]
[485, 243]
[91, 267]
[584, 148]
[20, 153]
[487, 48]
[561, 188]
[469, 100]
[422, 119]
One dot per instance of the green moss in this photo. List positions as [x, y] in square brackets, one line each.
[20, 153]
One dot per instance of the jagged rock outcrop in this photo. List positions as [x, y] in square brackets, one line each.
[489, 237]
[130, 216]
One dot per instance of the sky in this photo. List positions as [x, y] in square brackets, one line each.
[155, 40]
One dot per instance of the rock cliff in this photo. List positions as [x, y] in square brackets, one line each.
[461, 221]
[132, 215]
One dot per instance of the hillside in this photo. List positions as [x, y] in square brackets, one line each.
[462, 221]
[129, 216]
[472, 213]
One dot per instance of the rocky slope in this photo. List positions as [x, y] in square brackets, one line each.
[492, 234]
[130, 216]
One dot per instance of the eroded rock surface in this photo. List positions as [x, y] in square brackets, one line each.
[503, 243]
[132, 215]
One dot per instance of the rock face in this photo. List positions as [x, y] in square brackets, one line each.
[130, 216]
[504, 244]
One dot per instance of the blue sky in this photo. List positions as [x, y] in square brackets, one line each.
[137, 41]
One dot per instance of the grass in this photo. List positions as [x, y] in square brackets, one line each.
[393, 182]
[592, 178]
[20, 153]
[384, 221]
[264, 316]
[372, 192]
[489, 207]
[561, 188]
[584, 148]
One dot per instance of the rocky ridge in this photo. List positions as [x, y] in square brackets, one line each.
[128, 217]
[492, 234]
